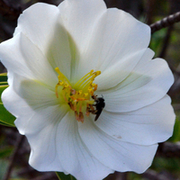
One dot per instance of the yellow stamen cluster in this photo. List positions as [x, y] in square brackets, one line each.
[78, 97]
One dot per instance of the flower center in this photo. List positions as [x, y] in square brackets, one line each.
[80, 96]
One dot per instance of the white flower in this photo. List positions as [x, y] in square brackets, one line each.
[52, 49]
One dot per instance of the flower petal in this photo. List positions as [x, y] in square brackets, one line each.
[25, 59]
[30, 94]
[79, 18]
[13, 60]
[38, 23]
[146, 126]
[146, 84]
[36, 124]
[62, 51]
[62, 147]
[118, 72]
[37, 63]
[11, 99]
[74, 155]
[48, 126]
[41, 134]
[116, 154]
[113, 39]
[36, 94]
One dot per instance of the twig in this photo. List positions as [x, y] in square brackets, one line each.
[166, 42]
[165, 22]
[12, 158]
[149, 10]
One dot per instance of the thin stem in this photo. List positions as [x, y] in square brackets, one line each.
[166, 42]
[13, 156]
[149, 10]
[165, 22]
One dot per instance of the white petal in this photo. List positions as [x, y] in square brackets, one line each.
[62, 147]
[38, 125]
[146, 126]
[52, 138]
[115, 36]
[74, 155]
[12, 58]
[38, 23]
[24, 97]
[37, 62]
[11, 99]
[25, 59]
[41, 134]
[36, 94]
[116, 73]
[61, 51]
[79, 18]
[39, 45]
[116, 154]
[146, 84]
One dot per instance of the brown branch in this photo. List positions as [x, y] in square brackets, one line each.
[149, 10]
[166, 42]
[12, 158]
[165, 22]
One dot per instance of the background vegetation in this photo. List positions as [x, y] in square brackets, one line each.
[14, 149]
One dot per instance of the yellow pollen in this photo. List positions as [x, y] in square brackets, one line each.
[78, 96]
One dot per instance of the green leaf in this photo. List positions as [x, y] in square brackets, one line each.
[5, 152]
[6, 119]
[3, 83]
[62, 176]
[176, 134]
[2, 88]
[3, 77]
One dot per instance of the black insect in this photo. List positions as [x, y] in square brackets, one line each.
[100, 104]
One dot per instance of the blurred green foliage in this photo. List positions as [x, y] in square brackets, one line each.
[62, 176]
[6, 118]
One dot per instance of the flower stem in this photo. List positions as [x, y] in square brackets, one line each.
[12, 158]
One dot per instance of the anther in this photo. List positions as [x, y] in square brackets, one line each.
[78, 96]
